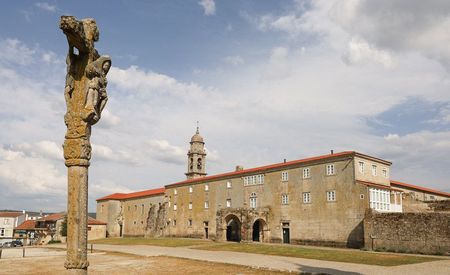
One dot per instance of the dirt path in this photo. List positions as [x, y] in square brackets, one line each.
[45, 261]
[279, 262]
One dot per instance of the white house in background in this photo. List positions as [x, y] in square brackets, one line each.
[8, 221]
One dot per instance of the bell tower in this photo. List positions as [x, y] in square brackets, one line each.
[196, 157]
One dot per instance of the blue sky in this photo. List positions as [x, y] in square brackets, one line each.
[267, 80]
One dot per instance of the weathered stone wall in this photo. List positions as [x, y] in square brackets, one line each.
[427, 233]
[140, 215]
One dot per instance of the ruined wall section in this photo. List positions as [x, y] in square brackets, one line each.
[427, 233]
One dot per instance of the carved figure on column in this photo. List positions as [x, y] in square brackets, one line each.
[85, 95]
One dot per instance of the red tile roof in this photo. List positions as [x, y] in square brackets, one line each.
[377, 185]
[11, 214]
[30, 224]
[276, 166]
[92, 221]
[53, 217]
[423, 189]
[124, 196]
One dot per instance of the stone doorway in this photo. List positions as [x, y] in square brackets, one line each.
[258, 230]
[233, 228]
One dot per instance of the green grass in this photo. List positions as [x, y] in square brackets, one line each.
[337, 255]
[171, 242]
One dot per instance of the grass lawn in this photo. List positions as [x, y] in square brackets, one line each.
[171, 242]
[341, 255]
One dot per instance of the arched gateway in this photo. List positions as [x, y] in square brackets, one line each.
[233, 228]
[259, 226]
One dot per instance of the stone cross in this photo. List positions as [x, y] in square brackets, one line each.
[85, 94]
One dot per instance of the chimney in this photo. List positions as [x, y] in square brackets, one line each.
[284, 160]
[332, 151]
[239, 168]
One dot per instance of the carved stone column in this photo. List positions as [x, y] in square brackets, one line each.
[85, 94]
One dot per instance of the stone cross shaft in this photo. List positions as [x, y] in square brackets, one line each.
[85, 94]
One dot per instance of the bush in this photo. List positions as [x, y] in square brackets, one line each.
[53, 241]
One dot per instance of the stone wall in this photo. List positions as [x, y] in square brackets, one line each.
[427, 233]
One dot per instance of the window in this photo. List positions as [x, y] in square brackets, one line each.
[190, 189]
[253, 180]
[206, 187]
[101, 209]
[228, 202]
[284, 176]
[228, 184]
[253, 199]
[142, 210]
[361, 196]
[306, 173]
[135, 222]
[361, 167]
[206, 223]
[175, 207]
[284, 199]
[374, 170]
[384, 172]
[190, 206]
[330, 169]
[174, 222]
[190, 222]
[2, 232]
[206, 204]
[379, 199]
[175, 191]
[331, 195]
[306, 197]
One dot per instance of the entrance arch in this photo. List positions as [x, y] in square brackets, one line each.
[233, 228]
[258, 230]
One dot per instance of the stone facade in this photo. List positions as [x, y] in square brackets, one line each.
[320, 200]
[427, 233]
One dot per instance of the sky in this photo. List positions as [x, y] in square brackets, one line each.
[267, 81]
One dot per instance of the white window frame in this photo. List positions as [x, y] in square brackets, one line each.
[174, 207]
[228, 203]
[361, 167]
[330, 169]
[306, 173]
[206, 187]
[206, 204]
[284, 199]
[191, 189]
[374, 170]
[331, 195]
[175, 192]
[285, 176]
[306, 197]
[228, 184]
[379, 199]
[384, 172]
[190, 206]
[253, 200]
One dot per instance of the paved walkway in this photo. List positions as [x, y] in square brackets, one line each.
[278, 262]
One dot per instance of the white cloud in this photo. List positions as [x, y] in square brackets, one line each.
[163, 151]
[24, 174]
[134, 79]
[46, 6]
[278, 66]
[209, 6]
[234, 60]
[360, 52]
[14, 51]
[105, 153]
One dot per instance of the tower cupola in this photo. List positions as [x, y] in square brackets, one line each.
[196, 156]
